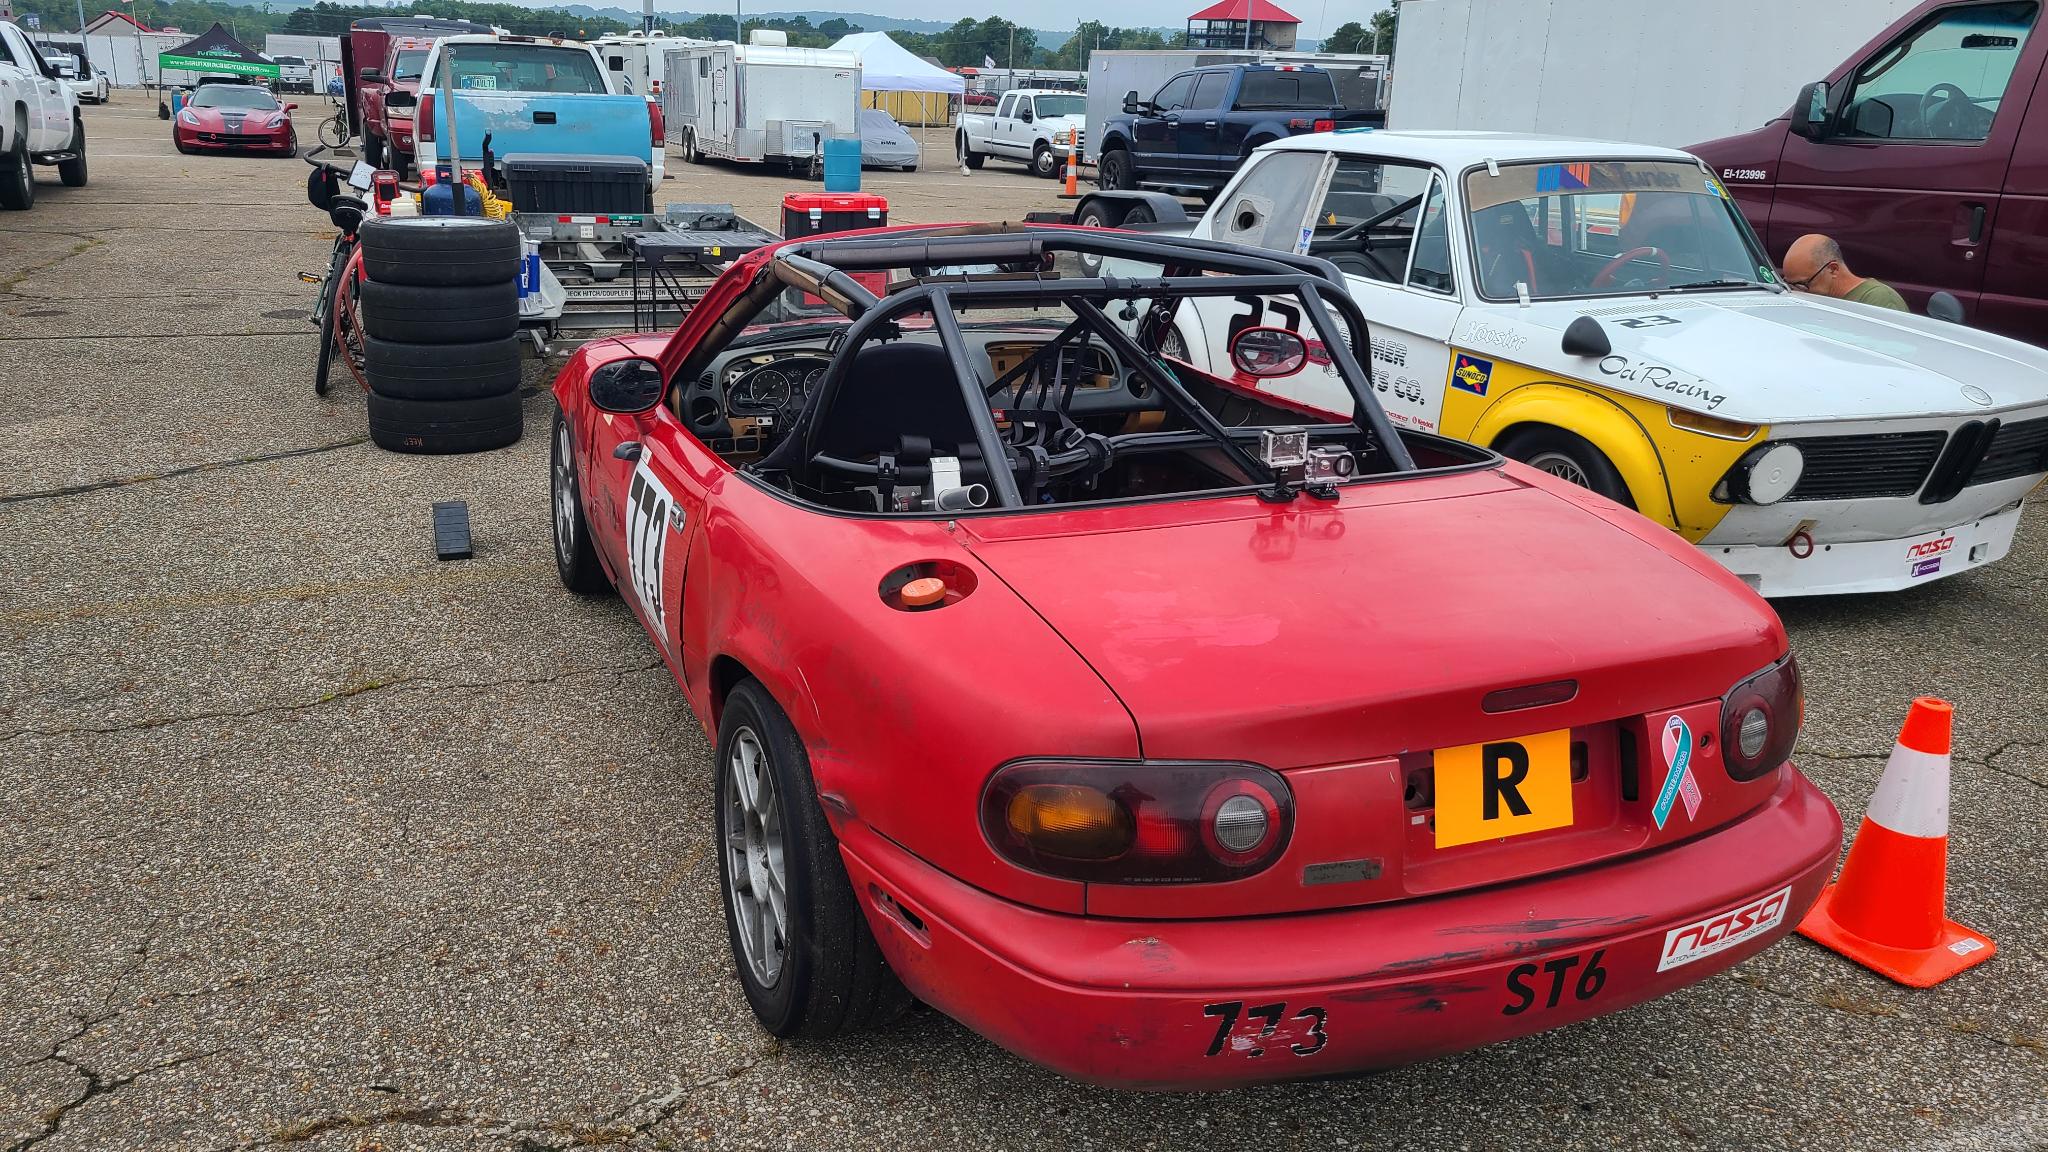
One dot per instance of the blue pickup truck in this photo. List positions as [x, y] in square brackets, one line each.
[532, 96]
[1192, 134]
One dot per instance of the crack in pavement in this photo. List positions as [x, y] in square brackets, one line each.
[440, 576]
[628, 1124]
[188, 470]
[8, 283]
[96, 1083]
[398, 683]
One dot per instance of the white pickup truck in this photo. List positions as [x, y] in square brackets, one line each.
[1030, 124]
[39, 121]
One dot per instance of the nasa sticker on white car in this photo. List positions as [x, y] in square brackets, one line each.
[648, 508]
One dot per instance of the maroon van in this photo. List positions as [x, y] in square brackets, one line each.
[1926, 156]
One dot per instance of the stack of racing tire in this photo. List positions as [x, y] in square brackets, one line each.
[440, 311]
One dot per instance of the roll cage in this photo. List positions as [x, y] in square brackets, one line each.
[942, 264]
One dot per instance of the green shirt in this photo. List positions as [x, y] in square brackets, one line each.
[1878, 293]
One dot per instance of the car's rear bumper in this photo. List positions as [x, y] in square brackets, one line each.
[1217, 1003]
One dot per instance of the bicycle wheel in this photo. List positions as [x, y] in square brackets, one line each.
[334, 130]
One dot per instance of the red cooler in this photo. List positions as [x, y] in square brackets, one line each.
[816, 213]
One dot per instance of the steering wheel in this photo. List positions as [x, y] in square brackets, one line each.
[1941, 119]
[1605, 277]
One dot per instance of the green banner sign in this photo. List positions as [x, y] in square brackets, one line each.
[227, 66]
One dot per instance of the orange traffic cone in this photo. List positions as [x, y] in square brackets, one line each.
[1073, 191]
[1886, 911]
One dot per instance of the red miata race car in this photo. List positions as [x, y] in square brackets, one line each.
[234, 117]
[1163, 733]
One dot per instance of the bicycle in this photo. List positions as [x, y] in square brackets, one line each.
[334, 130]
[335, 313]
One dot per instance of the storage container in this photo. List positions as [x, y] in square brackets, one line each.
[842, 164]
[581, 184]
[815, 213]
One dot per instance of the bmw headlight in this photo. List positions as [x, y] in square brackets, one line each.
[1766, 474]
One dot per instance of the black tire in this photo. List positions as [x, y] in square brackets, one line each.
[373, 150]
[690, 153]
[1568, 457]
[182, 150]
[1043, 161]
[575, 558]
[465, 314]
[439, 251]
[1139, 214]
[1114, 170]
[72, 171]
[832, 979]
[441, 372]
[968, 155]
[17, 176]
[444, 427]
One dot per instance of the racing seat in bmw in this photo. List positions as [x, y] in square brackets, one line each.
[1507, 247]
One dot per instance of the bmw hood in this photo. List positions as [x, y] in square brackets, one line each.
[1374, 624]
[1770, 358]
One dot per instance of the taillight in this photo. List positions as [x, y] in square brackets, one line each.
[1760, 720]
[654, 121]
[1126, 822]
[1326, 125]
[423, 118]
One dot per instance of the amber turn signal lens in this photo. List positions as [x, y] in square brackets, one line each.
[1070, 820]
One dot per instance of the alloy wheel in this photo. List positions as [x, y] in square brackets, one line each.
[757, 881]
[1561, 466]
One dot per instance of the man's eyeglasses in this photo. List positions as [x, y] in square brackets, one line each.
[1807, 284]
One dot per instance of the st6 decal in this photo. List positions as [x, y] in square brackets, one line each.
[1524, 983]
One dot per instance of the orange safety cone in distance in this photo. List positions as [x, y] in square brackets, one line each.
[1073, 191]
[1887, 911]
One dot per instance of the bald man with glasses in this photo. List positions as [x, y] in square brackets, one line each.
[1814, 264]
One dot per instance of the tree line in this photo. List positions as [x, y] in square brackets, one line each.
[968, 43]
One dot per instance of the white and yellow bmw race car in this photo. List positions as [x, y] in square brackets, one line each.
[1602, 312]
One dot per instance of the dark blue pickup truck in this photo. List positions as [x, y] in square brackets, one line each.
[1194, 132]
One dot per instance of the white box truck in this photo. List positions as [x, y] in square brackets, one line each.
[1361, 80]
[762, 101]
[1641, 71]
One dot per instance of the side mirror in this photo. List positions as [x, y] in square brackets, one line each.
[1945, 306]
[626, 386]
[1268, 352]
[1024, 114]
[1810, 111]
[291, 107]
[1131, 106]
[370, 75]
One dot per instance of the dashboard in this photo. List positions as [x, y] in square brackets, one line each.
[747, 392]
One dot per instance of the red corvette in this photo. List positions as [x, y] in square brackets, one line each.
[234, 117]
[1164, 733]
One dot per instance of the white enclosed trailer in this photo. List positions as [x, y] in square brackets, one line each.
[641, 58]
[1641, 71]
[761, 101]
[1361, 80]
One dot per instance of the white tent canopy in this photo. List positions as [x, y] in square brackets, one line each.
[886, 66]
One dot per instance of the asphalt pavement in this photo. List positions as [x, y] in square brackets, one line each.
[308, 840]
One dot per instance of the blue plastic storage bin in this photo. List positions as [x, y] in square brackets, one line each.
[842, 164]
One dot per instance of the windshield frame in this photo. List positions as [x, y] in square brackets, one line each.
[258, 90]
[511, 52]
[1744, 233]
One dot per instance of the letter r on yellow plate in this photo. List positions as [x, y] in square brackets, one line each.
[1503, 788]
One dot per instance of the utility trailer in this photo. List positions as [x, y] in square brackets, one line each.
[761, 101]
[637, 270]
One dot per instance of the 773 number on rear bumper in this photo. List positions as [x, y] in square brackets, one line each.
[1262, 1026]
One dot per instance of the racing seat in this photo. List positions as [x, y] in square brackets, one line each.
[897, 392]
[1507, 246]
